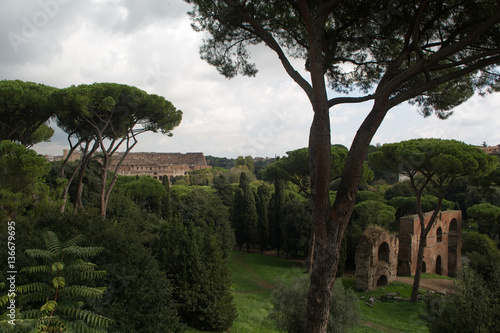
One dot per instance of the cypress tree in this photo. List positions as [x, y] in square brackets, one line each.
[244, 214]
[275, 214]
[200, 276]
[262, 202]
[166, 203]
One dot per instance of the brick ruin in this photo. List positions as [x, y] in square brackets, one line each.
[156, 165]
[441, 255]
[491, 150]
[376, 259]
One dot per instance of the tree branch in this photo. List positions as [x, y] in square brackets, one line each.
[345, 100]
[407, 95]
[263, 34]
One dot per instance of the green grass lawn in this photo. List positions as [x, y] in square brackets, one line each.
[255, 275]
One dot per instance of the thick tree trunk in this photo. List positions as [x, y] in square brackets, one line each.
[65, 194]
[420, 258]
[79, 190]
[326, 262]
[424, 232]
[104, 176]
[73, 174]
[312, 244]
[330, 223]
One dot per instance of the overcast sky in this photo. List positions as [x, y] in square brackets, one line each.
[150, 44]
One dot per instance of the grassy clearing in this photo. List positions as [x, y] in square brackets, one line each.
[392, 316]
[255, 275]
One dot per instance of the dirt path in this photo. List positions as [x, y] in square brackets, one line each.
[379, 327]
[442, 285]
[258, 280]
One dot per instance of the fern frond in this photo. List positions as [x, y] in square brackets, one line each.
[82, 252]
[33, 287]
[84, 270]
[49, 306]
[64, 304]
[5, 299]
[80, 265]
[87, 317]
[57, 266]
[40, 254]
[92, 275]
[59, 281]
[52, 324]
[40, 296]
[32, 314]
[74, 241]
[83, 291]
[21, 325]
[81, 328]
[5, 327]
[52, 242]
[36, 269]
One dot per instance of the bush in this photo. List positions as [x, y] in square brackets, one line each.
[290, 300]
[139, 295]
[200, 276]
[487, 216]
[472, 308]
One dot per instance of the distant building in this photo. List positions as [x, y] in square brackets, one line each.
[494, 150]
[442, 253]
[380, 256]
[156, 165]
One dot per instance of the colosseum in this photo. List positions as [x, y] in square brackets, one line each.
[156, 165]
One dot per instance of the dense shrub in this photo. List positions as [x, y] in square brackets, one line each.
[474, 307]
[408, 205]
[196, 265]
[290, 300]
[296, 227]
[487, 216]
[139, 295]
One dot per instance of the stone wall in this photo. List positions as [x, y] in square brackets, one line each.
[376, 259]
[380, 255]
[155, 165]
[492, 150]
[442, 253]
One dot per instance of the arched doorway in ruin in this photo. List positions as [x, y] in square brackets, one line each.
[383, 252]
[424, 267]
[438, 265]
[382, 281]
[439, 235]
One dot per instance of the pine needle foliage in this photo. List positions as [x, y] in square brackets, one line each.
[55, 301]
